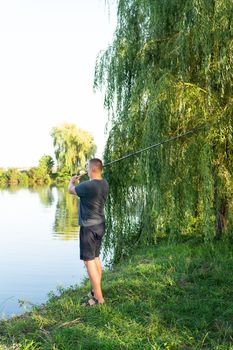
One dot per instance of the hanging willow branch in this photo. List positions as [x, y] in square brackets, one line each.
[168, 70]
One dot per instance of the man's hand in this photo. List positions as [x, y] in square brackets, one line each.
[73, 180]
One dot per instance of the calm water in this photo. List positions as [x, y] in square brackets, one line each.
[39, 246]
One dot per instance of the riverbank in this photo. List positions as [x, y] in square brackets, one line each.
[167, 297]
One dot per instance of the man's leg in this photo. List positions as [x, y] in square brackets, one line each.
[99, 267]
[94, 273]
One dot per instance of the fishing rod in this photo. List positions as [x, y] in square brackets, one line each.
[191, 131]
[156, 145]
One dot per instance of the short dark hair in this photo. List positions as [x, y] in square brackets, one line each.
[97, 163]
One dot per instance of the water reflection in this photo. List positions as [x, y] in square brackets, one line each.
[39, 245]
[66, 223]
[46, 195]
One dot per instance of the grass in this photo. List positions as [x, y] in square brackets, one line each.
[165, 297]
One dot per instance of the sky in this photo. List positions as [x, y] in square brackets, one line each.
[48, 50]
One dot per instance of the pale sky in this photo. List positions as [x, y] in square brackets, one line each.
[48, 50]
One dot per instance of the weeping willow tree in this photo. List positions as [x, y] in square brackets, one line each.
[73, 146]
[169, 69]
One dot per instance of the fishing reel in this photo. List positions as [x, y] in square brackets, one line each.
[81, 173]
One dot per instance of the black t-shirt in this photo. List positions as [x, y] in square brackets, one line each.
[92, 194]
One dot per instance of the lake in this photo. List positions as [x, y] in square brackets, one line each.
[39, 246]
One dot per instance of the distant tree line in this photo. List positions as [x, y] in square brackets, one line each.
[73, 147]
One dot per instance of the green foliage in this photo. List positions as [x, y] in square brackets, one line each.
[3, 177]
[46, 164]
[168, 70]
[42, 173]
[13, 177]
[38, 175]
[73, 147]
[35, 175]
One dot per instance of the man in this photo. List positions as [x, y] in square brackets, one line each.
[92, 194]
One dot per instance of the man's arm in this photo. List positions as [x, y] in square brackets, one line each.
[74, 180]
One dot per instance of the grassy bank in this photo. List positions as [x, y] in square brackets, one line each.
[177, 296]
